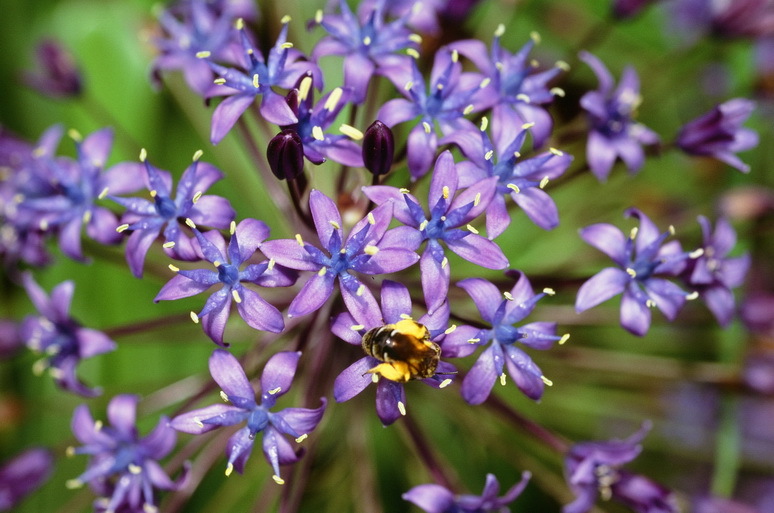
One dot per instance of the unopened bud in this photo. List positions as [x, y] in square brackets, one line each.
[378, 148]
[285, 154]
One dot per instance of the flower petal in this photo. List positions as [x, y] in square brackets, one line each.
[278, 373]
[230, 377]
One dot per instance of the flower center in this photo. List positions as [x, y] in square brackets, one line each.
[228, 274]
[165, 207]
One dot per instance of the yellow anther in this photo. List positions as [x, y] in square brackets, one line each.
[122, 228]
[302, 438]
[633, 233]
[134, 469]
[547, 381]
[304, 87]
[522, 97]
[168, 245]
[507, 295]
[402, 408]
[87, 216]
[556, 152]
[285, 19]
[484, 83]
[423, 225]
[103, 193]
[484, 124]
[650, 303]
[371, 218]
[360, 290]
[190, 223]
[564, 338]
[367, 40]
[197, 197]
[412, 52]
[333, 99]
[197, 155]
[488, 155]
[405, 317]
[72, 484]
[474, 340]
[299, 240]
[198, 422]
[194, 317]
[416, 38]
[693, 295]
[374, 378]
[455, 56]
[502, 379]
[408, 85]
[174, 268]
[472, 229]
[75, 135]
[143, 155]
[562, 66]
[219, 81]
[549, 291]
[631, 272]
[239, 24]
[278, 479]
[557, 91]
[270, 267]
[357, 327]
[696, 253]
[427, 127]
[335, 224]
[275, 391]
[477, 199]
[318, 16]
[229, 469]
[468, 109]
[224, 396]
[500, 30]
[286, 45]
[351, 132]
[671, 229]
[450, 329]
[445, 192]
[535, 37]
[403, 190]
[543, 182]
[370, 250]
[445, 383]
[444, 263]
[203, 54]
[317, 133]
[70, 451]
[235, 295]
[322, 271]
[256, 81]
[217, 263]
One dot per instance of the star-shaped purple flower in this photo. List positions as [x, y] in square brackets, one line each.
[447, 99]
[613, 131]
[146, 219]
[192, 27]
[59, 338]
[390, 395]
[364, 41]
[369, 249]
[284, 66]
[315, 120]
[714, 274]
[643, 262]
[516, 90]
[521, 179]
[502, 313]
[23, 474]
[592, 470]
[69, 201]
[435, 498]
[246, 238]
[449, 212]
[719, 133]
[276, 380]
[123, 467]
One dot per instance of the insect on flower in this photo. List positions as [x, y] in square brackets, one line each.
[405, 350]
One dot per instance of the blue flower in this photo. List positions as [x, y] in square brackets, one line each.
[123, 467]
[614, 132]
[447, 99]
[59, 338]
[145, 219]
[502, 313]
[246, 238]
[363, 42]
[276, 380]
[435, 498]
[23, 474]
[283, 68]
[449, 212]
[390, 395]
[369, 249]
[642, 259]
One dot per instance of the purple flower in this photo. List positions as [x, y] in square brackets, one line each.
[390, 395]
[449, 97]
[22, 475]
[364, 41]
[146, 219]
[246, 238]
[369, 249]
[712, 274]
[721, 505]
[191, 27]
[448, 213]
[502, 313]
[285, 65]
[123, 468]
[314, 120]
[56, 75]
[740, 18]
[422, 14]
[614, 132]
[276, 380]
[592, 469]
[515, 89]
[623, 9]
[521, 179]
[435, 498]
[719, 133]
[66, 196]
[59, 338]
[642, 259]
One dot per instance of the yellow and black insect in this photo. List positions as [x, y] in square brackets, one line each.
[405, 350]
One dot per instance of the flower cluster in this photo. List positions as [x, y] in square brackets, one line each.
[426, 141]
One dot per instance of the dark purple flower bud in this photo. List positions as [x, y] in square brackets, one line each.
[285, 154]
[623, 9]
[719, 133]
[378, 148]
[22, 475]
[56, 73]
